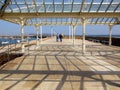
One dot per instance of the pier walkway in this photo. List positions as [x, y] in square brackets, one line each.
[62, 66]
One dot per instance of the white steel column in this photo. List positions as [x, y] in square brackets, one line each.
[74, 35]
[51, 31]
[110, 35]
[41, 34]
[37, 42]
[22, 36]
[69, 31]
[83, 33]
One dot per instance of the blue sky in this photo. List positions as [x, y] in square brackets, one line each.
[8, 28]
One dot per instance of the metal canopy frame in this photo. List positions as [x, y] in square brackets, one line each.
[60, 12]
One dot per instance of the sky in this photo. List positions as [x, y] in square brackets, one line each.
[8, 28]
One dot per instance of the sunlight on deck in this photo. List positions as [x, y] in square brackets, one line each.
[61, 66]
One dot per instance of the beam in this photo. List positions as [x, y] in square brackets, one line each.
[69, 23]
[69, 32]
[37, 40]
[74, 29]
[30, 23]
[41, 34]
[22, 36]
[6, 3]
[62, 15]
[83, 34]
[110, 35]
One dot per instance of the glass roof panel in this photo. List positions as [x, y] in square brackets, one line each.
[118, 9]
[69, 19]
[77, 1]
[76, 7]
[41, 8]
[49, 19]
[20, 1]
[59, 19]
[66, 1]
[63, 19]
[61, 6]
[58, 7]
[113, 20]
[100, 19]
[49, 7]
[98, 1]
[23, 8]
[53, 19]
[94, 20]
[89, 20]
[0, 5]
[109, 19]
[79, 20]
[13, 6]
[74, 20]
[67, 7]
[107, 1]
[112, 7]
[104, 19]
[12, 1]
[2, 1]
[8, 9]
[29, 1]
[94, 7]
[43, 20]
[34, 20]
[86, 7]
[116, 0]
[48, 1]
[38, 1]
[58, 1]
[28, 21]
[88, 1]
[103, 8]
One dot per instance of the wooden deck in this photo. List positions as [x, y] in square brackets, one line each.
[62, 66]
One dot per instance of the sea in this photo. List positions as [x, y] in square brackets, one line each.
[114, 36]
[6, 41]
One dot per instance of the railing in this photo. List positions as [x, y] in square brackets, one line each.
[9, 51]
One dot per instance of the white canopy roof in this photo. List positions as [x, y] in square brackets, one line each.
[60, 12]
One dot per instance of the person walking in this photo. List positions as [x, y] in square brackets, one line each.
[60, 36]
[57, 37]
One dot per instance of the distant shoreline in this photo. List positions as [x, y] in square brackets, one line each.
[100, 38]
[104, 39]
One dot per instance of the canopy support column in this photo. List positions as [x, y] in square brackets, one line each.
[73, 35]
[69, 31]
[37, 40]
[110, 35]
[22, 36]
[41, 34]
[51, 31]
[83, 34]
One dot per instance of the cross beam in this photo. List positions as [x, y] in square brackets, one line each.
[6, 2]
[63, 15]
[59, 23]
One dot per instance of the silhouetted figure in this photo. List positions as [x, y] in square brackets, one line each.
[57, 37]
[60, 36]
